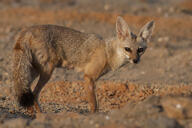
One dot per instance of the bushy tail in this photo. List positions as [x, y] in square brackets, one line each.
[22, 75]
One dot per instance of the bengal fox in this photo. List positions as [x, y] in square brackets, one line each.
[39, 49]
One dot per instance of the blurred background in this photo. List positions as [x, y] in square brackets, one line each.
[167, 60]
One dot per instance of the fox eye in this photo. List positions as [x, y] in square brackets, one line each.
[128, 49]
[139, 50]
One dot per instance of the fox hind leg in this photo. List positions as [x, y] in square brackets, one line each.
[41, 83]
[43, 79]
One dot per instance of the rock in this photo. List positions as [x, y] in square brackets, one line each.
[185, 7]
[163, 39]
[177, 107]
[162, 122]
[1, 59]
[15, 123]
[139, 111]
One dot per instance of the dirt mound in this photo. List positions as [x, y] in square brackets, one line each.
[154, 111]
[110, 95]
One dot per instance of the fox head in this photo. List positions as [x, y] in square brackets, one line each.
[131, 46]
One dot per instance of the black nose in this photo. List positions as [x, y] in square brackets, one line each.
[135, 61]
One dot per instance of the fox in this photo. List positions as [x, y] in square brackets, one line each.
[39, 49]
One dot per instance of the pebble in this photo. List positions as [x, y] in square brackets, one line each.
[107, 117]
[106, 7]
[178, 107]
[163, 39]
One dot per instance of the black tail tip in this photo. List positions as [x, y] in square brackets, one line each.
[27, 99]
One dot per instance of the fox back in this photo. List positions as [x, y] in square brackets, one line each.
[59, 44]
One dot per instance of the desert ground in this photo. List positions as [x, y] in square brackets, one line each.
[157, 92]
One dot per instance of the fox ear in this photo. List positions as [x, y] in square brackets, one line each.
[147, 30]
[122, 28]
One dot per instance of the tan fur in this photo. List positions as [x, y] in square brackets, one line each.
[39, 49]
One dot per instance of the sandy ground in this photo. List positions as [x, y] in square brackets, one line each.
[154, 93]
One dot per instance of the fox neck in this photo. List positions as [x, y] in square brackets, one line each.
[115, 55]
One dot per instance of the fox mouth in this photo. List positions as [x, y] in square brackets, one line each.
[136, 61]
